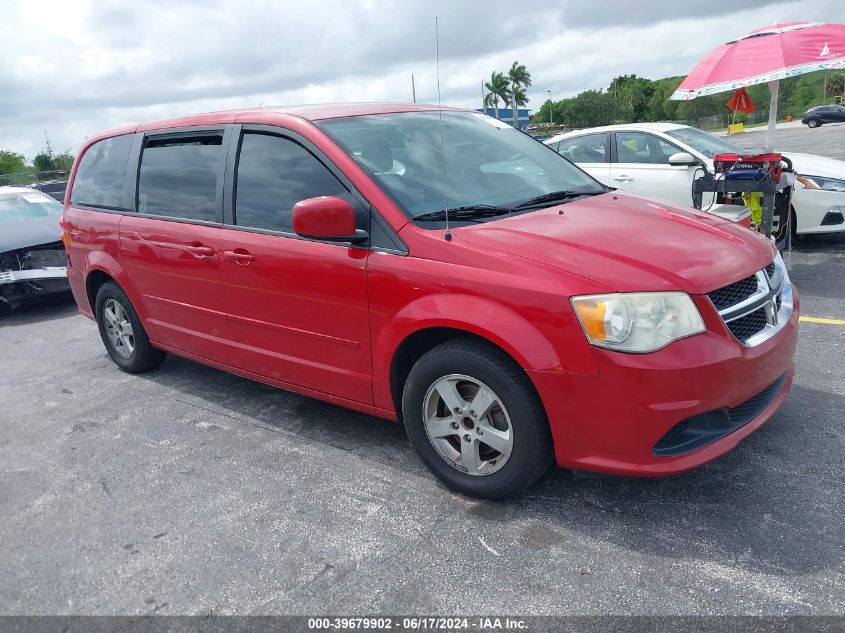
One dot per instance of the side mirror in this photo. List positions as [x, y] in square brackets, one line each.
[683, 159]
[326, 218]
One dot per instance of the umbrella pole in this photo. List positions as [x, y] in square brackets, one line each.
[774, 89]
[769, 197]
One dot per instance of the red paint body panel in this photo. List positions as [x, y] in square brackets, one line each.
[175, 268]
[610, 421]
[639, 245]
[298, 313]
[326, 319]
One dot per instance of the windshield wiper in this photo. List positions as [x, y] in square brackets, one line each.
[468, 212]
[555, 196]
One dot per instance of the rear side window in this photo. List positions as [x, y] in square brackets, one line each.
[178, 177]
[591, 148]
[101, 174]
[275, 173]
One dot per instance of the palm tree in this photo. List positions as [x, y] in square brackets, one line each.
[519, 78]
[497, 88]
[518, 97]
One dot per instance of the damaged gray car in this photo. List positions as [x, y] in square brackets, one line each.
[33, 263]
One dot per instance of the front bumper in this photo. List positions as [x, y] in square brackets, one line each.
[17, 276]
[814, 209]
[610, 422]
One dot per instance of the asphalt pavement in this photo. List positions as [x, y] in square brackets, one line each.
[187, 490]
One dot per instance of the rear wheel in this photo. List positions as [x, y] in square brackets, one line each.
[123, 335]
[475, 420]
[813, 123]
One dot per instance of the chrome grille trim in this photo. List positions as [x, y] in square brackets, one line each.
[774, 294]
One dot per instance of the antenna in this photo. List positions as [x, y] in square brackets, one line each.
[49, 147]
[448, 235]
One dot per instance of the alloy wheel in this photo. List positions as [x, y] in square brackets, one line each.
[119, 328]
[467, 424]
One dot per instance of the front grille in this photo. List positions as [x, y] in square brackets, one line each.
[705, 428]
[747, 326]
[46, 258]
[733, 294]
[749, 305]
[770, 270]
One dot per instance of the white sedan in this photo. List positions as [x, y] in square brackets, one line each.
[660, 160]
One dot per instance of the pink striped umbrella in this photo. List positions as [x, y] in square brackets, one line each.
[767, 55]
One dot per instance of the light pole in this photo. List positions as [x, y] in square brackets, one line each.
[550, 107]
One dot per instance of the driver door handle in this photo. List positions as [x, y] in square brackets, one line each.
[200, 251]
[623, 178]
[240, 256]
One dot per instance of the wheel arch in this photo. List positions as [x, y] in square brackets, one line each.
[100, 268]
[434, 319]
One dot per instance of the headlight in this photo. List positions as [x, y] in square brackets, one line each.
[637, 322]
[819, 182]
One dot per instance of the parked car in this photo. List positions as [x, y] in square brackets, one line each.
[661, 160]
[32, 259]
[54, 188]
[814, 117]
[459, 277]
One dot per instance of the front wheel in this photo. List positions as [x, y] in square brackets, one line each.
[813, 123]
[475, 420]
[123, 334]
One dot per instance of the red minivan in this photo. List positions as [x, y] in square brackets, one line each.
[440, 268]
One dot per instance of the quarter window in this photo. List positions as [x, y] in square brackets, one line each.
[178, 177]
[275, 173]
[590, 148]
[101, 173]
[638, 147]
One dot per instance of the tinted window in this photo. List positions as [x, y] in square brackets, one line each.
[101, 172]
[273, 175]
[637, 147]
[584, 149]
[179, 177]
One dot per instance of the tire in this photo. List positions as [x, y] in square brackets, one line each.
[514, 417]
[132, 352]
[813, 123]
[794, 235]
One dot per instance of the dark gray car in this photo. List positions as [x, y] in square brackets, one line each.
[33, 262]
[814, 117]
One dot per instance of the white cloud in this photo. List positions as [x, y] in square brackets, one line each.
[73, 68]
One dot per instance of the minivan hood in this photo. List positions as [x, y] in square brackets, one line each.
[630, 243]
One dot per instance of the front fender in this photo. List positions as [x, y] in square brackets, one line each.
[490, 320]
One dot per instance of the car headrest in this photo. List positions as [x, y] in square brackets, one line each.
[377, 156]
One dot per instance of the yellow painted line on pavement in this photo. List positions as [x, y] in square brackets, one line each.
[809, 319]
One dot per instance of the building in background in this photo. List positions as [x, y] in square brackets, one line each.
[506, 115]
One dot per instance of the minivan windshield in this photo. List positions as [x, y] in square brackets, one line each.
[703, 142]
[490, 168]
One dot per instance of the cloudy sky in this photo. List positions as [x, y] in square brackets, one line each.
[75, 67]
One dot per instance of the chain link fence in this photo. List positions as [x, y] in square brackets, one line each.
[53, 183]
[720, 122]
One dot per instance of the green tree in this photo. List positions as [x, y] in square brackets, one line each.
[63, 161]
[43, 162]
[497, 88]
[11, 162]
[590, 109]
[632, 95]
[520, 79]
